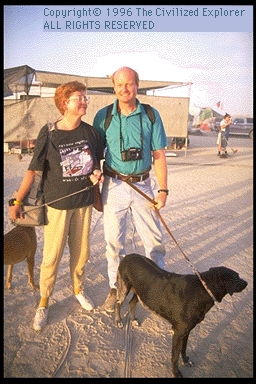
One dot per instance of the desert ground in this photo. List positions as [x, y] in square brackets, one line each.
[209, 211]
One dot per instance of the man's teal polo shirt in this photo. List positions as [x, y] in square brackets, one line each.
[154, 137]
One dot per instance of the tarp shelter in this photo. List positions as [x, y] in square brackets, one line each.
[24, 118]
[18, 79]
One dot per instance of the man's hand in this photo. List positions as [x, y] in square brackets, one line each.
[161, 198]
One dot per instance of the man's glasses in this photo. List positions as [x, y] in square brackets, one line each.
[80, 99]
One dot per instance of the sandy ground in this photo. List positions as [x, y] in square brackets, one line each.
[209, 212]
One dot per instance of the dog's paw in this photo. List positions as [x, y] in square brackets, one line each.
[187, 362]
[135, 323]
[35, 287]
[119, 324]
[8, 285]
[177, 374]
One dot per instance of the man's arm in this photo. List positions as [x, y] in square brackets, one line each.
[160, 167]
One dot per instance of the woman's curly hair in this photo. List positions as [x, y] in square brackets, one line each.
[64, 91]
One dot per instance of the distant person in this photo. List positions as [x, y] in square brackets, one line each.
[223, 136]
[70, 157]
[133, 134]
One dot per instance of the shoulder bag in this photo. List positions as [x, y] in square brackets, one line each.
[33, 216]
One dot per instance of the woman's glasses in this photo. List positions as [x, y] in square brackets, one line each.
[81, 99]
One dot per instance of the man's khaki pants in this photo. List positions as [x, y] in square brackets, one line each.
[119, 199]
[72, 225]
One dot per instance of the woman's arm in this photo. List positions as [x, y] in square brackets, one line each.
[15, 210]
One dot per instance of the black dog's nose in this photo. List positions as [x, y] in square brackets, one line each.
[243, 284]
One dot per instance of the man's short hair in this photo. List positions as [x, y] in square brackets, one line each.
[136, 76]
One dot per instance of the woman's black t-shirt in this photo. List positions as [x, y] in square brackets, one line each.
[67, 159]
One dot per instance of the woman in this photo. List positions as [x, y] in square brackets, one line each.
[69, 155]
[223, 136]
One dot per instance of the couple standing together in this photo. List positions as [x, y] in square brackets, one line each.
[70, 157]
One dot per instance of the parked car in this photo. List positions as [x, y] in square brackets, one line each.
[241, 126]
[193, 129]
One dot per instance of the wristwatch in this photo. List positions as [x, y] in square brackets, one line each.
[164, 190]
[13, 201]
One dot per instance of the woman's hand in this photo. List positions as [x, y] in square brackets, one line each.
[96, 177]
[15, 212]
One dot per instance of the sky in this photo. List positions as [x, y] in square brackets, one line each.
[219, 64]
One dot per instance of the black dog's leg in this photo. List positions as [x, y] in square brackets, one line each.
[186, 360]
[176, 349]
[132, 304]
[122, 292]
[118, 321]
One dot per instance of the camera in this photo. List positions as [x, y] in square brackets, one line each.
[131, 154]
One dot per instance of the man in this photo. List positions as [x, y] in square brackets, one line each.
[223, 136]
[131, 138]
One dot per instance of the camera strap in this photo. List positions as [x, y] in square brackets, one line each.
[121, 137]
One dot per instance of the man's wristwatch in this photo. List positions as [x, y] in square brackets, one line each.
[13, 201]
[164, 190]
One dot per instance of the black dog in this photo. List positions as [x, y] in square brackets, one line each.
[180, 299]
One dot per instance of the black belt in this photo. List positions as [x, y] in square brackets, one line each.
[132, 178]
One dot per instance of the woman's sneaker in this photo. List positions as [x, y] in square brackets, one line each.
[41, 317]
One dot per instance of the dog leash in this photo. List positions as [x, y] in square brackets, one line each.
[126, 180]
[223, 136]
[59, 199]
[128, 348]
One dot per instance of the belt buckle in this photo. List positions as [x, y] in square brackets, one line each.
[136, 179]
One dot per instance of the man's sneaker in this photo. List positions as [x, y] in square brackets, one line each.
[41, 317]
[85, 301]
[110, 302]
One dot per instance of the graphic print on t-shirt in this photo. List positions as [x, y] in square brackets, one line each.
[76, 159]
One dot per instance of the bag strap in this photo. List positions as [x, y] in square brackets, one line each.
[108, 117]
[150, 113]
[38, 179]
[35, 187]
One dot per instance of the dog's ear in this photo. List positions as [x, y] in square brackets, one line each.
[230, 287]
[230, 279]
[227, 281]
[215, 283]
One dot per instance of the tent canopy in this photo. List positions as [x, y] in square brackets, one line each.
[103, 84]
[24, 75]
[18, 79]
